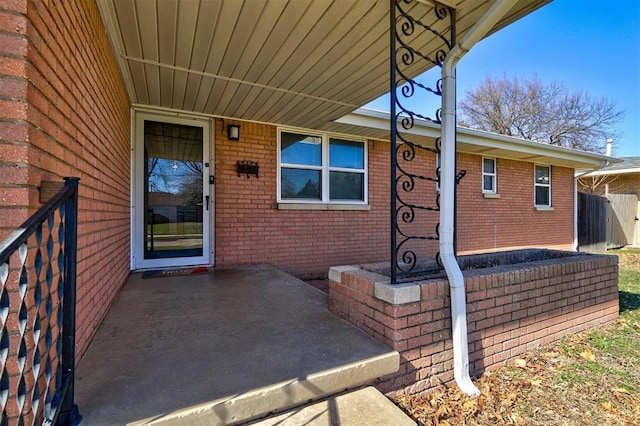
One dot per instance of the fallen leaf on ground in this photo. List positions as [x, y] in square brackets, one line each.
[520, 362]
[510, 398]
[621, 390]
[588, 355]
[481, 402]
[469, 404]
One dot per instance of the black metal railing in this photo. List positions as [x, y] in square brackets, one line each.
[37, 315]
[414, 218]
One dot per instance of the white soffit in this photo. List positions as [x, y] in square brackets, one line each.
[299, 62]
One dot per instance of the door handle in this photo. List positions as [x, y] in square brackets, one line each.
[206, 198]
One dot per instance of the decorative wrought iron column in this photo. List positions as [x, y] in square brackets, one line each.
[414, 218]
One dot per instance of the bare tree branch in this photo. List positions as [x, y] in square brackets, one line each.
[590, 183]
[547, 113]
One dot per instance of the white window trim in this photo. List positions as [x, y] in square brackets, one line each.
[301, 204]
[494, 175]
[536, 184]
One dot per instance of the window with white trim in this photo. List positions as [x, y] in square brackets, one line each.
[489, 175]
[543, 186]
[319, 168]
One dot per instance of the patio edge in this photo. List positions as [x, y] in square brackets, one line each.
[281, 396]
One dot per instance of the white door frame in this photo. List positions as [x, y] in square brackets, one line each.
[138, 262]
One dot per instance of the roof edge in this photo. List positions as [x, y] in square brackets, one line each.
[365, 117]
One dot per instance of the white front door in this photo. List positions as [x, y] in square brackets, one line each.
[172, 195]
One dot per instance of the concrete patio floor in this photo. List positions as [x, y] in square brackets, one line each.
[220, 348]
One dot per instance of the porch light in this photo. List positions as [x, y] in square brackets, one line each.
[233, 131]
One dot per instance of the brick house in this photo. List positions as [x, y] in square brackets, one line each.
[94, 90]
[79, 99]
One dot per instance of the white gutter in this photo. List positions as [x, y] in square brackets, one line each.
[374, 124]
[447, 193]
[575, 214]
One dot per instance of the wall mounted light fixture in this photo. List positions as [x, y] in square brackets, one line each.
[233, 131]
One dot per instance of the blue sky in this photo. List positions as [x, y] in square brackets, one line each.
[583, 44]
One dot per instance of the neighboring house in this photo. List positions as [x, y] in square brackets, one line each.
[164, 208]
[98, 91]
[621, 178]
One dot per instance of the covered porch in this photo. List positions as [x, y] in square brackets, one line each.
[223, 347]
[185, 342]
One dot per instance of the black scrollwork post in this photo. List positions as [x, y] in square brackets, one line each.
[407, 174]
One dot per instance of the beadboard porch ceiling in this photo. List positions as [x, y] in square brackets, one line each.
[291, 62]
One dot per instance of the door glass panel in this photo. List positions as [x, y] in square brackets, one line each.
[173, 197]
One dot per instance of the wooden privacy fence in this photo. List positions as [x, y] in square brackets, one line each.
[621, 219]
[592, 223]
[606, 222]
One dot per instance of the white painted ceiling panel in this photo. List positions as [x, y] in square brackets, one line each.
[292, 62]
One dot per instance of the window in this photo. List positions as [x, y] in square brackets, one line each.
[317, 168]
[489, 175]
[543, 186]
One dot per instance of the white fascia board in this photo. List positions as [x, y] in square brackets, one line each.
[499, 145]
[532, 149]
[613, 172]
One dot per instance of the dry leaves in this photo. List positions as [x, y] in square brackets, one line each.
[558, 385]
[520, 363]
[588, 355]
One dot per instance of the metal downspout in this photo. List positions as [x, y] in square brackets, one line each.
[447, 193]
[575, 215]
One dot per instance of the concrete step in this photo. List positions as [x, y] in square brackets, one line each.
[362, 407]
[278, 397]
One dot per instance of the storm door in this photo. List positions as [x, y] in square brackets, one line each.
[173, 202]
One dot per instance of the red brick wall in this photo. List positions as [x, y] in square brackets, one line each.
[64, 111]
[512, 221]
[14, 151]
[510, 310]
[249, 227]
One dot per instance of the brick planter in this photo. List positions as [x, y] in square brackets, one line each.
[511, 309]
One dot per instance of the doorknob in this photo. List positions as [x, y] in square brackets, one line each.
[206, 198]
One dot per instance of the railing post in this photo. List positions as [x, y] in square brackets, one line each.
[68, 410]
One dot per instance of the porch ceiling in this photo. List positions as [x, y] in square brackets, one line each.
[292, 62]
